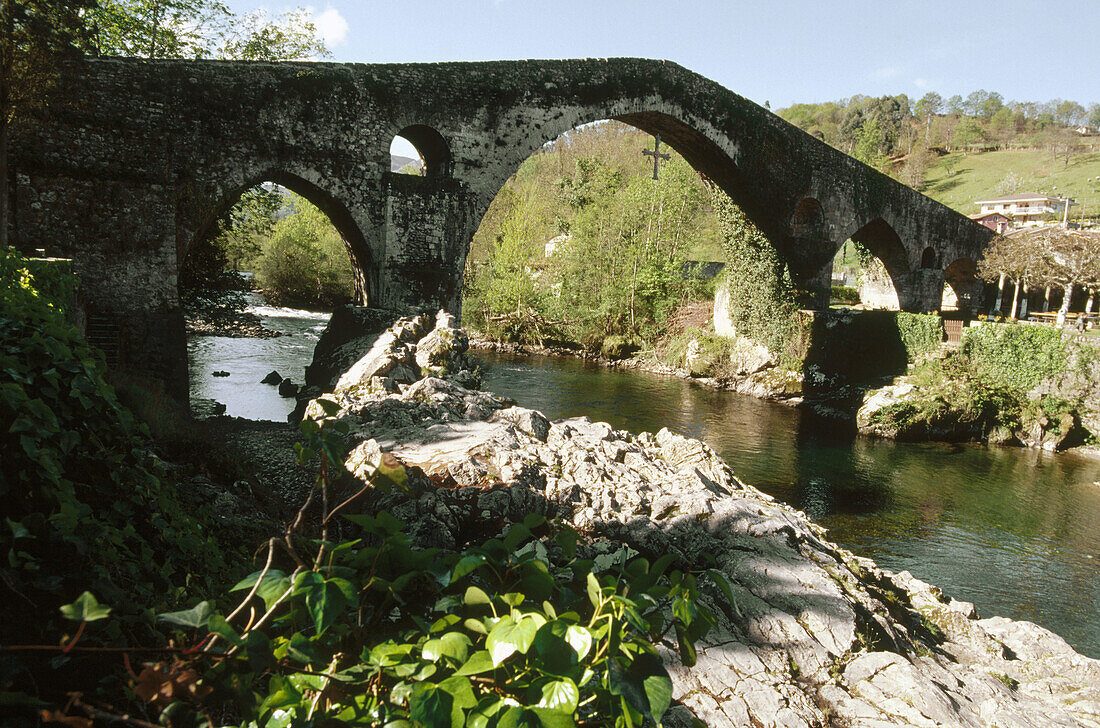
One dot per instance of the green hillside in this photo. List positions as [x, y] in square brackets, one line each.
[958, 180]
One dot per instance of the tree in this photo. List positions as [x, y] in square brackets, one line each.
[1094, 115]
[305, 261]
[160, 28]
[1069, 113]
[870, 143]
[1015, 257]
[955, 104]
[35, 36]
[916, 166]
[928, 106]
[983, 103]
[258, 37]
[968, 132]
[202, 29]
[1069, 259]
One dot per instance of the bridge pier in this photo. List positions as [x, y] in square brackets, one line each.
[428, 224]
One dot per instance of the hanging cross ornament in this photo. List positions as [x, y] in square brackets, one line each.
[656, 153]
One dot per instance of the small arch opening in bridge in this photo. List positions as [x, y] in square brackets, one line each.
[808, 220]
[582, 246]
[962, 289]
[272, 259]
[419, 149]
[866, 265]
[928, 259]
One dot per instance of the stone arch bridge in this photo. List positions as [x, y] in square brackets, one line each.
[137, 159]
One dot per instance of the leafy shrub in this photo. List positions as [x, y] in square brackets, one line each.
[1018, 357]
[519, 630]
[844, 294]
[86, 504]
[305, 261]
[952, 401]
[920, 333]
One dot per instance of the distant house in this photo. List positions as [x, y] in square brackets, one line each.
[995, 221]
[1085, 130]
[1028, 208]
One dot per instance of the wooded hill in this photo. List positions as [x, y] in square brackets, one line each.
[959, 150]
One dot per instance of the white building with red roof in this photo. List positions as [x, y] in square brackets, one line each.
[1027, 208]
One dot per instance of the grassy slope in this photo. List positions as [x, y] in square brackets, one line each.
[958, 180]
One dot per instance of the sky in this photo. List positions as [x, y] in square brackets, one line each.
[779, 51]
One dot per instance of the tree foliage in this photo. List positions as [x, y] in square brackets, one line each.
[202, 29]
[620, 242]
[304, 261]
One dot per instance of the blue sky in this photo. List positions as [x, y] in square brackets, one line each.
[781, 51]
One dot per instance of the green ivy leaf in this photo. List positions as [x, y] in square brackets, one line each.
[224, 629]
[593, 590]
[559, 695]
[475, 596]
[580, 639]
[549, 718]
[454, 645]
[196, 617]
[273, 585]
[509, 637]
[325, 598]
[86, 608]
[687, 647]
[479, 662]
[466, 565]
[516, 535]
[461, 691]
[658, 689]
[475, 625]
[429, 705]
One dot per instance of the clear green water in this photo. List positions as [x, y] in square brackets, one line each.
[1015, 531]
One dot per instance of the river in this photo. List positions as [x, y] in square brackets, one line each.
[1015, 531]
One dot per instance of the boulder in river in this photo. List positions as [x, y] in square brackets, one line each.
[814, 634]
[273, 377]
[221, 374]
[204, 409]
[350, 333]
[288, 388]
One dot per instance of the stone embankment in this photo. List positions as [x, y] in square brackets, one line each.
[815, 635]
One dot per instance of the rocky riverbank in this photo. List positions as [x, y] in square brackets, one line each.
[240, 326]
[1007, 385]
[814, 635]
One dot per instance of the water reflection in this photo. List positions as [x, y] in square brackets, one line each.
[1017, 532]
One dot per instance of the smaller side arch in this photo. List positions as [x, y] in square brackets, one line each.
[962, 287]
[362, 261]
[883, 242]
